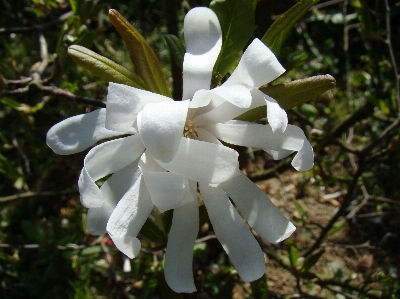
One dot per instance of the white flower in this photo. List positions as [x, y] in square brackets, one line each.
[169, 147]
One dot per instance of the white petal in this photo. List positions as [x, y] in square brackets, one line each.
[232, 232]
[103, 160]
[166, 188]
[123, 104]
[79, 132]
[238, 95]
[224, 112]
[276, 115]
[278, 155]
[128, 218]
[161, 127]
[257, 135]
[257, 208]
[258, 66]
[112, 191]
[204, 162]
[226, 104]
[179, 255]
[304, 160]
[203, 40]
[206, 136]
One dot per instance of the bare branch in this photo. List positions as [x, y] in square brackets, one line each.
[36, 194]
[38, 28]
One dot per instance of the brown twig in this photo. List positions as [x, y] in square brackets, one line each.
[38, 28]
[36, 194]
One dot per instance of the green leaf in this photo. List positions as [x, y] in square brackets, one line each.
[104, 68]
[293, 253]
[72, 3]
[151, 231]
[146, 62]
[237, 20]
[311, 261]
[176, 49]
[365, 18]
[277, 34]
[259, 288]
[291, 94]
[91, 250]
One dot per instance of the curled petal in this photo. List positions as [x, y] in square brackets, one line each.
[161, 127]
[112, 191]
[123, 104]
[203, 40]
[304, 159]
[237, 95]
[257, 208]
[179, 255]
[258, 66]
[236, 239]
[225, 103]
[276, 115]
[128, 218]
[79, 132]
[204, 162]
[105, 159]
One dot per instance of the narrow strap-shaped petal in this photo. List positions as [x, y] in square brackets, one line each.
[161, 127]
[276, 115]
[166, 188]
[79, 132]
[112, 191]
[257, 135]
[123, 104]
[204, 162]
[203, 40]
[258, 210]
[235, 237]
[128, 218]
[103, 160]
[304, 159]
[258, 66]
[179, 255]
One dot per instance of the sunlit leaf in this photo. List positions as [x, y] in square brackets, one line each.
[293, 253]
[176, 49]
[292, 94]
[145, 60]
[277, 34]
[72, 3]
[236, 18]
[104, 68]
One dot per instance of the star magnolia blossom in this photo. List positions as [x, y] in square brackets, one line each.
[168, 148]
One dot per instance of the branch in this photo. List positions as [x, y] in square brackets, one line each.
[36, 194]
[38, 28]
[392, 57]
[339, 213]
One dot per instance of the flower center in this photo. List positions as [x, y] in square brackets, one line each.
[190, 131]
